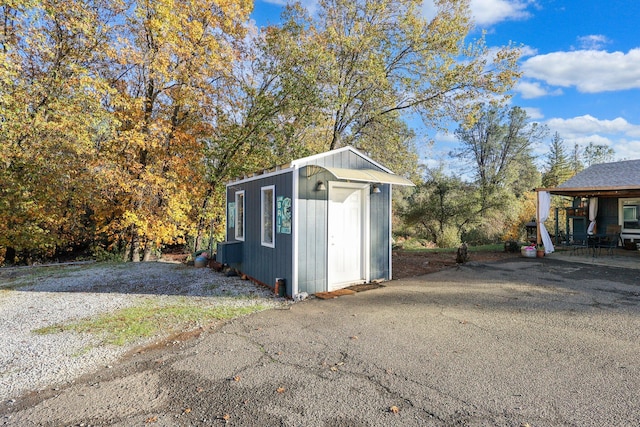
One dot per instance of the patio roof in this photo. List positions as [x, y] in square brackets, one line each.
[617, 179]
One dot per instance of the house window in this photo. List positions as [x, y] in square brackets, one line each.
[267, 214]
[239, 215]
[630, 214]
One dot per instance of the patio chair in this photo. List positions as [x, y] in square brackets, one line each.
[611, 239]
[578, 243]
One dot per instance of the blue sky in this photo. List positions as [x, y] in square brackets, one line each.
[581, 66]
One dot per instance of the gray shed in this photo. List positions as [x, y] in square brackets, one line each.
[321, 223]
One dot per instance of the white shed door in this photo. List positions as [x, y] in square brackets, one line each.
[347, 234]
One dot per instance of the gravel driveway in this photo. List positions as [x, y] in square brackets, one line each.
[33, 298]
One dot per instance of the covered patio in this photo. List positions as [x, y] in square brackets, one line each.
[604, 204]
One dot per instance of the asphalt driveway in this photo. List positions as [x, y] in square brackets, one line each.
[513, 343]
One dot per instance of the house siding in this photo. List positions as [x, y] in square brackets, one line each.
[266, 263]
[607, 213]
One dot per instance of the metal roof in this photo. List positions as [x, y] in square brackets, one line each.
[368, 175]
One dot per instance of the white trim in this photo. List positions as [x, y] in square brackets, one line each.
[264, 189]
[294, 232]
[237, 216]
[260, 176]
[390, 233]
[627, 233]
[226, 215]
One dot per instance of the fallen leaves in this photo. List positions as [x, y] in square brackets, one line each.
[281, 390]
[237, 378]
[151, 420]
[394, 409]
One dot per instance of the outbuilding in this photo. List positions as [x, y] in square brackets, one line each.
[318, 224]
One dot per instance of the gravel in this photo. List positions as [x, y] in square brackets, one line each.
[36, 297]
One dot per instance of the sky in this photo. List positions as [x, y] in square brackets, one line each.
[581, 67]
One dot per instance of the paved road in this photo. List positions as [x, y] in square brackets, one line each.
[514, 343]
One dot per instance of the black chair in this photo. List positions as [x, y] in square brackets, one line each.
[611, 239]
[578, 243]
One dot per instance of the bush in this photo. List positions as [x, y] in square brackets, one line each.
[449, 238]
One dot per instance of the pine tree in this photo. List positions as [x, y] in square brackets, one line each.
[558, 165]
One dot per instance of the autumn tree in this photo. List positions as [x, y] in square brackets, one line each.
[166, 58]
[368, 65]
[50, 113]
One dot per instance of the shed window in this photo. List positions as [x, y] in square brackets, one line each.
[239, 215]
[267, 213]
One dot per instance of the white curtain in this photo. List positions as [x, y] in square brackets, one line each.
[544, 204]
[593, 212]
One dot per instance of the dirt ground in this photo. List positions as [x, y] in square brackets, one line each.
[411, 264]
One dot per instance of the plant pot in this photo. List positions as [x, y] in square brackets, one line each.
[200, 262]
[539, 253]
[528, 252]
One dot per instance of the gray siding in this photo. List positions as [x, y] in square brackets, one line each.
[312, 233]
[312, 224]
[263, 263]
[607, 213]
[380, 243]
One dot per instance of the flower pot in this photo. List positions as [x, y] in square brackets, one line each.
[528, 252]
[540, 253]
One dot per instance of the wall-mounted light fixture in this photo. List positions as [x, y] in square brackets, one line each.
[320, 186]
[375, 189]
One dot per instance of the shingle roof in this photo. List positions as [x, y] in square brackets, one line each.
[616, 174]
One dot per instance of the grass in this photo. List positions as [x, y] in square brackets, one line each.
[131, 324]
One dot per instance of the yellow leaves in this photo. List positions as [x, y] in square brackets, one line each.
[281, 390]
[394, 409]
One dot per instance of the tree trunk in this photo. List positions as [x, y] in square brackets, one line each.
[147, 253]
[135, 248]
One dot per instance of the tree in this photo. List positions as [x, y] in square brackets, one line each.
[368, 64]
[575, 161]
[168, 54]
[498, 147]
[49, 113]
[558, 166]
[597, 153]
[442, 207]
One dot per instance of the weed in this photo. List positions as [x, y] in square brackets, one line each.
[133, 323]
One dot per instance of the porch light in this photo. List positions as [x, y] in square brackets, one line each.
[320, 186]
[375, 189]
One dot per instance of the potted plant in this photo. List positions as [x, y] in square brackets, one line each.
[539, 251]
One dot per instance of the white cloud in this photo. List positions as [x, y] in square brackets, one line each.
[530, 90]
[588, 124]
[628, 149]
[617, 133]
[593, 41]
[489, 12]
[534, 113]
[590, 71]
